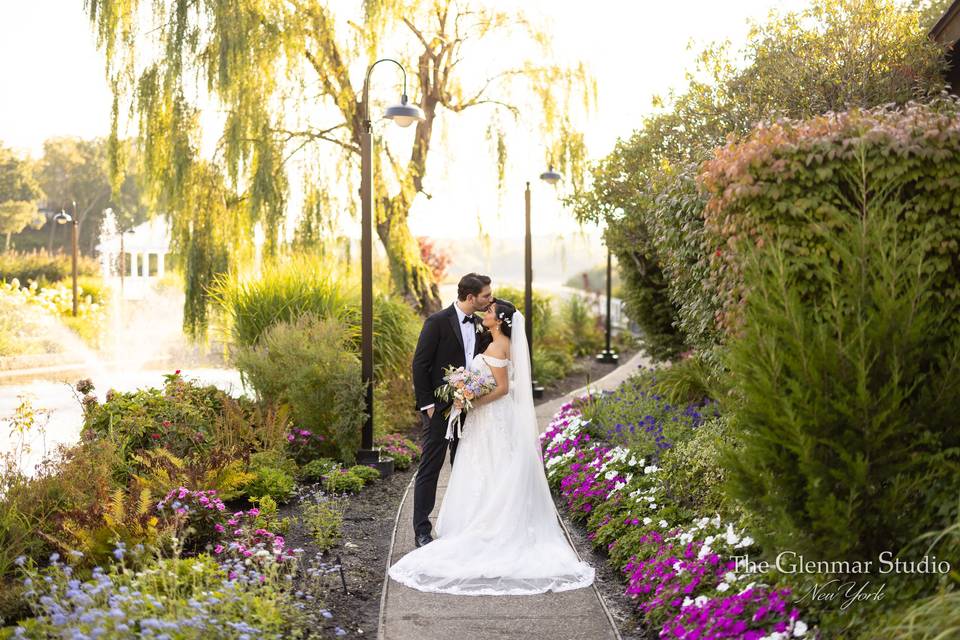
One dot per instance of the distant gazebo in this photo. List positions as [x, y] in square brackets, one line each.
[139, 254]
[947, 32]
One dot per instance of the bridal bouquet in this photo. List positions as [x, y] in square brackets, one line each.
[464, 385]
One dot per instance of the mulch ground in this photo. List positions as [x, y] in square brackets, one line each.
[361, 554]
[586, 369]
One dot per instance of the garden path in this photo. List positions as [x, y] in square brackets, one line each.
[408, 614]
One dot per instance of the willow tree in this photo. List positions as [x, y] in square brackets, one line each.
[288, 75]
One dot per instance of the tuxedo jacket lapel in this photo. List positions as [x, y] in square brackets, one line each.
[454, 322]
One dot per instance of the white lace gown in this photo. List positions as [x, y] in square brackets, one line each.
[497, 529]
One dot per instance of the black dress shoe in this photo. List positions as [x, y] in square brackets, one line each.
[423, 538]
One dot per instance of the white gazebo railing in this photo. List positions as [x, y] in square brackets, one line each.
[130, 253]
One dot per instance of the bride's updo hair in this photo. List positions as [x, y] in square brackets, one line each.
[504, 310]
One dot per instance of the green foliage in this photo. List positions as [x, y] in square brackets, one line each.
[365, 473]
[306, 285]
[646, 191]
[45, 268]
[268, 518]
[692, 473]
[268, 481]
[309, 365]
[19, 192]
[403, 451]
[324, 520]
[273, 475]
[803, 180]
[315, 470]
[686, 380]
[552, 350]
[342, 481]
[401, 461]
[845, 403]
[585, 334]
[172, 589]
[286, 47]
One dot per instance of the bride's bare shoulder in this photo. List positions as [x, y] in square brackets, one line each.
[498, 350]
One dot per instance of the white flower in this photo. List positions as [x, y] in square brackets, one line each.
[663, 524]
[799, 629]
[687, 601]
[732, 538]
[730, 576]
[723, 586]
[610, 475]
[653, 505]
[647, 521]
[700, 600]
[746, 542]
[651, 469]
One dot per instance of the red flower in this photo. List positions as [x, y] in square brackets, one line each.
[177, 372]
[166, 423]
[718, 251]
[155, 436]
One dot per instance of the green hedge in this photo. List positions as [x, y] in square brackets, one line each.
[802, 180]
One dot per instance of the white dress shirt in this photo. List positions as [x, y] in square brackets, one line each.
[469, 332]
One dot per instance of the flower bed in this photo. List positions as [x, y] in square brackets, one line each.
[680, 568]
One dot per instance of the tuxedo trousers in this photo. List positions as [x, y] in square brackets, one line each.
[434, 443]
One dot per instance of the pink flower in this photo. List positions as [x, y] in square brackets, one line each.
[247, 553]
[290, 438]
[253, 512]
[219, 528]
[218, 548]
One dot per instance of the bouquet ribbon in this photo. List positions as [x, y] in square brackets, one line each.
[455, 415]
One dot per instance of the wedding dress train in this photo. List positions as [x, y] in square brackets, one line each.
[497, 527]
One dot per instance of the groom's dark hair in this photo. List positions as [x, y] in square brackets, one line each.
[471, 283]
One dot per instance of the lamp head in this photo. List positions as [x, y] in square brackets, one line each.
[405, 114]
[551, 176]
[63, 217]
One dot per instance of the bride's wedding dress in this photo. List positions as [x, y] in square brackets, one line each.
[497, 527]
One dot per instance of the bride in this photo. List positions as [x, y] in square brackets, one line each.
[497, 527]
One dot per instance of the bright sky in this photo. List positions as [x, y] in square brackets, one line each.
[53, 78]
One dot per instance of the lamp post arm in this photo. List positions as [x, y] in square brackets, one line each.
[366, 87]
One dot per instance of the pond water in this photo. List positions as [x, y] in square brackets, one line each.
[60, 416]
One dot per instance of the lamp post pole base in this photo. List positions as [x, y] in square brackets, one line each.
[537, 390]
[371, 458]
[608, 356]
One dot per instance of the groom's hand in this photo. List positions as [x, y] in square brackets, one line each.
[430, 412]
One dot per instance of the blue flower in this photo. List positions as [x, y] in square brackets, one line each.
[20, 561]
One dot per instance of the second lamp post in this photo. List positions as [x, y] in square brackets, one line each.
[550, 177]
[63, 218]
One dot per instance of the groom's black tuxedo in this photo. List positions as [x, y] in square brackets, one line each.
[440, 345]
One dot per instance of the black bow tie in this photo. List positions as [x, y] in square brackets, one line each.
[467, 319]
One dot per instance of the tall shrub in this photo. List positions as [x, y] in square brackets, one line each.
[845, 403]
[794, 177]
[308, 364]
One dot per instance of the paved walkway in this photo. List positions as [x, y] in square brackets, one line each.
[407, 614]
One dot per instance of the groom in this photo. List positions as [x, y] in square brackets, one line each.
[448, 337]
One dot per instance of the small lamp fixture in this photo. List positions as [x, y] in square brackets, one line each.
[405, 114]
[63, 217]
[551, 176]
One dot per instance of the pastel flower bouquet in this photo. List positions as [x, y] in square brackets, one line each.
[462, 386]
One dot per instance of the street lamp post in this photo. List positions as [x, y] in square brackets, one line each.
[63, 218]
[608, 356]
[403, 114]
[550, 177]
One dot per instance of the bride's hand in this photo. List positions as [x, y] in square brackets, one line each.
[458, 404]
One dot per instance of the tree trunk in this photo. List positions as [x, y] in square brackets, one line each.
[7, 247]
[411, 276]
